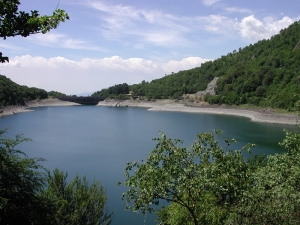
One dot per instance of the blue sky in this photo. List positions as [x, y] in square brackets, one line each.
[111, 42]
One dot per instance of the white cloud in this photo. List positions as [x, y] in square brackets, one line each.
[88, 75]
[113, 63]
[237, 10]
[117, 10]
[209, 2]
[220, 24]
[10, 46]
[248, 27]
[252, 28]
[184, 64]
[116, 63]
[73, 77]
[57, 40]
[159, 28]
[47, 39]
[139, 46]
[151, 26]
[165, 38]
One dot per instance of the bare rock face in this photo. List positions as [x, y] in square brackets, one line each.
[210, 88]
[297, 46]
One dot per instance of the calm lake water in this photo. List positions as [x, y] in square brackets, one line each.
[98, 141]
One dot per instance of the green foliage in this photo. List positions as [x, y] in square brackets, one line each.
[21, 181]
[203, 182]
[29, 196]
[118, 91]
[14, 22]
[174, 85]
[208, 185]
[265, 74]
[275, 197]
[170, 86]
[3, 59]
[14, 94]
[56, 94]
[77, 202]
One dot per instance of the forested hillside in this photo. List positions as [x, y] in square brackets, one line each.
[266, 74]
[15, 94]
[56, 94]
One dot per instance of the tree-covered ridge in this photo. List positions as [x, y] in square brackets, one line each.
[12, 93]
[266, 74]
[55, 94]
[170, 86]
[113, 91]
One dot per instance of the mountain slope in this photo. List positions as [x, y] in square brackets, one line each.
[266, 73]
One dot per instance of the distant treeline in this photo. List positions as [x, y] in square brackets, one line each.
[266, 74]
[56, 94]
[116, 91]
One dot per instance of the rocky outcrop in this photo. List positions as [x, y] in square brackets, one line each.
[297, 46]
[210, 88]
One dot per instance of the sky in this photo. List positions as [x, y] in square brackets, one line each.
[108, 42]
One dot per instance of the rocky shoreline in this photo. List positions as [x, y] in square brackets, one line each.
[257, 115]
[13, 109]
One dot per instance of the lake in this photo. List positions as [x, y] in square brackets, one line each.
[98, 141]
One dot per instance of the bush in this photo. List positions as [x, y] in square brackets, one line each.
[29, 196]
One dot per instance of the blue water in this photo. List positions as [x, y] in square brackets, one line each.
[98, 141]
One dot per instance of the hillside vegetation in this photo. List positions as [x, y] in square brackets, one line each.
[264, 74]
[12, 93]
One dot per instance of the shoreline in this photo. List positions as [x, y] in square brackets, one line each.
[259, 115]
[14, 109]
[256, 115]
